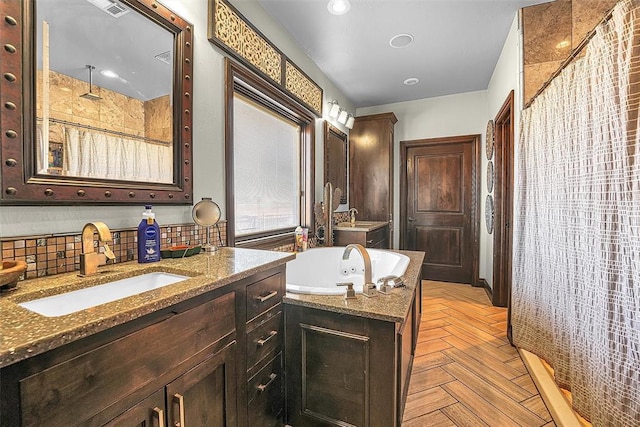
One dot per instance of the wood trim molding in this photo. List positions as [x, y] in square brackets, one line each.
[228, 29]
[482, 283]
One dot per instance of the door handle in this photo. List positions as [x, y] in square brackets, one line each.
[411, 219]
[159, 413]
[179, 399]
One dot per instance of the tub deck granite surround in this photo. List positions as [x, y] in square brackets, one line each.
[24, 334]
[392, 308]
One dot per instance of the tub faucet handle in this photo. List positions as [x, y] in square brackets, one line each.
[351, 293]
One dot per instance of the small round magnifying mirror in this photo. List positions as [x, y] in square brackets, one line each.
[207, 214]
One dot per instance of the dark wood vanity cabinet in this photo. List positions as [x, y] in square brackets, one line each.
[346, 370]
[213, 360]
[377, 239]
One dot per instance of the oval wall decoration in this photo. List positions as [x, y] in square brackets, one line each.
[489, 213]
[490, 176]
[490, 139]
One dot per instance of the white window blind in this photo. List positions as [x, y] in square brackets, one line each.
[266, 169]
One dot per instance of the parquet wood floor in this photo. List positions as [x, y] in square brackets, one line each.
[465, 372]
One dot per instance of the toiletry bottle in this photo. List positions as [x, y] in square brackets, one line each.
[298, 235]
[148, 237]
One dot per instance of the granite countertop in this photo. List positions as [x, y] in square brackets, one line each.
[24, 333]
[393, 307]
[365, 226]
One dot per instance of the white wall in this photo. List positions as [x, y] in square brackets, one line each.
[506, 77]
[208, 133]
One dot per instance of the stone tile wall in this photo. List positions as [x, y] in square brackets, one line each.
[551, 32]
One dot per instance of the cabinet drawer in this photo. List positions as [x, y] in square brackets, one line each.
[265, 338]
[376, 237]
[265, 395]
[264, 294]
[72, 391]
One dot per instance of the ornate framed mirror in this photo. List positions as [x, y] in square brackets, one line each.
[335, 159]
[95, 103]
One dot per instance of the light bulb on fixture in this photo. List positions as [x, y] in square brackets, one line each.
[350, 121]
[342, 117]
[334, 110]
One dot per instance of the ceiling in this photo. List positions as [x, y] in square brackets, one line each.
[82, 34]
[456, 44]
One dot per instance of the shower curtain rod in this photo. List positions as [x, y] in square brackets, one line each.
[111, 132]
[575, 52]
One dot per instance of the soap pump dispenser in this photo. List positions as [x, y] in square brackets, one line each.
[352, 213]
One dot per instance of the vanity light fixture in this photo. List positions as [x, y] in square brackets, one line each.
[334, 110]
[338, 7]
[350, 121]
[342, 117]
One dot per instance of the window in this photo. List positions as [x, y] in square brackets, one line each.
[269, 144]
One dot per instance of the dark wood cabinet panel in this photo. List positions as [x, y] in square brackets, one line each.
[266, 394]
[263, 295]
[205, 395]
[377, 239]
[266, 338]
[345, 370]
[148, 413]
[371, 168]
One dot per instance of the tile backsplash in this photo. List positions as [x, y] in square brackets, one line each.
[47, 255]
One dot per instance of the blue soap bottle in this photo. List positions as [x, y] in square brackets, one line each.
[148, 237]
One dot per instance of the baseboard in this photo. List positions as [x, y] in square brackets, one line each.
[482, 283]
[559, 408]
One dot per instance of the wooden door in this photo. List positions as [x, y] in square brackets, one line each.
[371, 168]
[206, 395]
[440, 211]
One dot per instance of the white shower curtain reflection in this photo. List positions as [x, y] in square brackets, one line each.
[91, 154]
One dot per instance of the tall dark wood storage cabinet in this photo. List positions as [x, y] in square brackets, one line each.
[371, 168]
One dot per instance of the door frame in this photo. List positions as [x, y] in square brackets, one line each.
[503, 201]
[475, 190]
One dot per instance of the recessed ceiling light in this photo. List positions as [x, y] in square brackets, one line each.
[338, 7]
[411, 81]
[109, 73]
[563, 44]
[401, 40]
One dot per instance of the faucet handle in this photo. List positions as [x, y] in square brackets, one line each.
[108, 252]
[351, 293]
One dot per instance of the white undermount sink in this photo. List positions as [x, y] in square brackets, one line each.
[71, 302]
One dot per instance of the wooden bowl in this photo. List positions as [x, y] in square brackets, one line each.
[11, 271]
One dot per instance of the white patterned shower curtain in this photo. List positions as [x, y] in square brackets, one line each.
[99, 155]
[576, 283]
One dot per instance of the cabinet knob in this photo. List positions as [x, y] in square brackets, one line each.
[411, 219]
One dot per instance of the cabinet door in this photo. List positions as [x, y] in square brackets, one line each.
[148, 413]
[206, 395]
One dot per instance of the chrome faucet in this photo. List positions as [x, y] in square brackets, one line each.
[90, 260]
[368, 288]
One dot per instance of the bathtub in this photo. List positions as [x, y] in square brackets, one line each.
[318, 270]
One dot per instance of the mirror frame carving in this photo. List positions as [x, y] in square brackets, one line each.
[331, 164]
[19, 183]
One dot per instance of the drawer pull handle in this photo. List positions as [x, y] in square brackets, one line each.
[263, 387]
[369, 242]
[180, 400]
[262, 341]
[159, 413]
[270, 295]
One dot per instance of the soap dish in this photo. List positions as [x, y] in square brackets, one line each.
[10, 273]
[182, 251]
